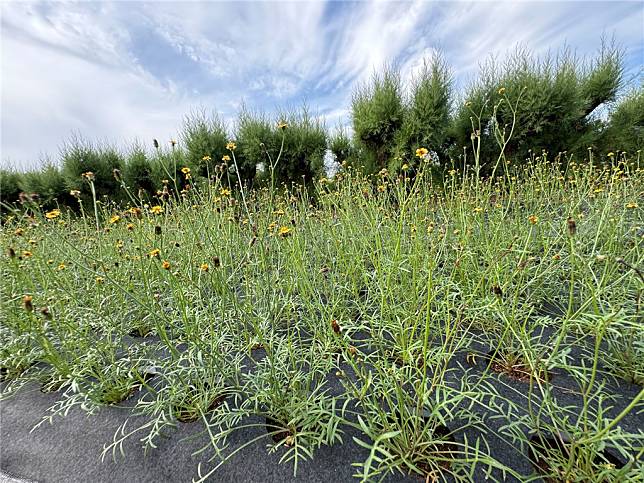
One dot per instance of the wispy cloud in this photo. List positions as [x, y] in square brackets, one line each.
[126, 70]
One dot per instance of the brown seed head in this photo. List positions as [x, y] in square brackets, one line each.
[572, 226]
[27, 303]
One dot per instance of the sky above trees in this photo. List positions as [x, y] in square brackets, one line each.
[131, 70]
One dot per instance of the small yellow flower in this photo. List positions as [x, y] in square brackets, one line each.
[100, 280]
[75, 193]
[278, 212]
[61, 266]
[533, 219]
[157, 210]
[272, 226]
[165, 265]
[89, 176]
[154, 253]
[206, 158]
[204, 267]
[173, 142]
[224, 192]
[381, 188]
[115, 219]
[225, 158]
[502, 91]
[468, 103]
[478, 209]
[284, 231]
[130, 226]
[185, 170]
[231, 146]
[19, 232]
[50, 215]
[421, 152]
[632, 205]
[27, 254]
[282, 125]
[611, 154]
[556, 256]
[405, 167]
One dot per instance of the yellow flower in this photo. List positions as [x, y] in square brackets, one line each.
[225, 158]
[502, 91]
[282, 125]
[533, 219]
[165, 265]
[154, 253]
[115, 219]
[206, 158]
[272, 226]
[130, 226]
[478, 209]
[598, 190]
[381, 188]
[100, 280]
[421, 152]
[18, 232]
[231, 146]
[452, 172]
[75, 193]
[50, 215]
[405, 167]
[468, 103]
[611, 154]
[89, 176]
[157, 210]
[204, 267]
[61, 266]
[278, 212]
[27, 254]
[632, 205]
[185, 170]
[224, 192]
[284, 231]
[173, 142]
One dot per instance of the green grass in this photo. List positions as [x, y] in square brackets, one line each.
[390, 284]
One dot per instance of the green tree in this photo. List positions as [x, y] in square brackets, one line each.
[547, 104]
[378, 112]
[205, 139]
[625, 129]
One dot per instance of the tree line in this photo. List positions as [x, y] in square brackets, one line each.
[523, 106]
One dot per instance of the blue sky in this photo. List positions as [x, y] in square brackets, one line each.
[131, 70]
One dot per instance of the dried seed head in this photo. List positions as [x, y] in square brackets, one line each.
[572, 226]
[496, 290]
[27, 303]
[335, 326]
[157, 230]
[352, 350]
[216, 262]
[155, 143]
[46, 313]
[11, 253]
[117, 174]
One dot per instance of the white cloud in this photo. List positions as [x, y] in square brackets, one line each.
[126, 70]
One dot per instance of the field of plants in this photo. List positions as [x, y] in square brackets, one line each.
[433, 323]
[418, 315]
